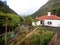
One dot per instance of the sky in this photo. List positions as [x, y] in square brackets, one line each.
[25, 7]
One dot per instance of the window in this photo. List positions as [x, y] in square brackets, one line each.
[41, 22]
[49, 23]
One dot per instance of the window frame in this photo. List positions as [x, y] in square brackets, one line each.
[49, 23]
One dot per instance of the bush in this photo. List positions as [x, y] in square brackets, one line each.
[42, 37]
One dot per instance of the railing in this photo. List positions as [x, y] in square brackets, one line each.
[53, 40]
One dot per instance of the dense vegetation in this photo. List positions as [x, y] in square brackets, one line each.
[12, 22]
[51, 5]
[26, 20]
[41, 37]
[13, 19]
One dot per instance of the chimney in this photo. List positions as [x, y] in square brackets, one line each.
[49, 13]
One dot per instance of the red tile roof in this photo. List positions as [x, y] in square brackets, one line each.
[51, 17]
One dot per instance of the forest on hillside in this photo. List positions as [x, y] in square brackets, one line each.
[52, 5]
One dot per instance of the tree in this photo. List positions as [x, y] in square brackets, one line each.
[13, 19]
[56, 11]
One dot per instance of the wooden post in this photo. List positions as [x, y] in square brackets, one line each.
[53, 40]
[6, 30]
[26, 37]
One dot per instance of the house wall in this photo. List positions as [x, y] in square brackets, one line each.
[54, 23]
[36, 23]
[33, 23]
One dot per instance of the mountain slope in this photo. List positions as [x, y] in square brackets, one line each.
[4, 8]
[51, 5]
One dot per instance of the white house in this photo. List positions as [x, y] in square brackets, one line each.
[53, 23]
[49, 20]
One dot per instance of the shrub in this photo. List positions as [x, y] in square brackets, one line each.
[42, 37]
